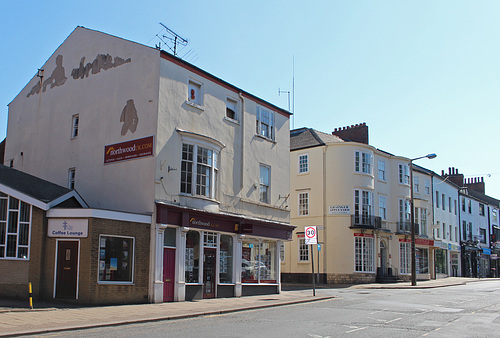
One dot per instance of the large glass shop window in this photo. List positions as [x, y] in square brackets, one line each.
[226, 259]
[116, 259]
[258, 262]
[192, 256]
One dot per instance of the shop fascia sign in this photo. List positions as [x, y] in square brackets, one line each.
[68, 228]
[129, 150]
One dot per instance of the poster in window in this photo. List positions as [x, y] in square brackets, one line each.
[102, 254]
[113, 264]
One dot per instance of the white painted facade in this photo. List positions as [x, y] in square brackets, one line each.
[133, 92]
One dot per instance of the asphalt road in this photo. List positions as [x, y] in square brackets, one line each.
[471, 310]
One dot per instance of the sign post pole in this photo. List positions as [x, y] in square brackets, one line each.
[311, 238]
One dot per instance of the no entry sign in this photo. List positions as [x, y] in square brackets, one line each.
[311, 235]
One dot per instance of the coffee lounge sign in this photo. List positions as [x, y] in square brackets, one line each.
[72, 228]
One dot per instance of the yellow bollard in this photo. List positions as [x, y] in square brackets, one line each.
[31, 296]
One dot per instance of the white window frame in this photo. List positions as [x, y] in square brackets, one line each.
[232, 105]
[404, 258]
[75, 123]
[363, 204]
[382, 207]
[303, 163]
[427, 187]
[265, 186]
[381, 171]
[364, 254]
[404, 173]
[303, 203]
[423, 222]
[71, 178]
[265, 124]
[213, 167]
[363, 162]
[416, 184]
[197, 87]
[15, 212]
[303, 251]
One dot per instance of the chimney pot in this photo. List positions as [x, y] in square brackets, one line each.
[442, 172]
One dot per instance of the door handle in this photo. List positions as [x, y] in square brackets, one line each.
[167, 280]
[65, 268]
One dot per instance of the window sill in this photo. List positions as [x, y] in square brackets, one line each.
[194, 105]
[200, 197]
[115, 283]
[265, 138]
[364, 174]
[233, 121]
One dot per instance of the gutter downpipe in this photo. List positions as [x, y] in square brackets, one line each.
[242, 126]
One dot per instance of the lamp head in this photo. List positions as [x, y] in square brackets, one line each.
[431, 156]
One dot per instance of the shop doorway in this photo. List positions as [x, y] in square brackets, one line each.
[67, 269]
[168, 274]
[209, 263]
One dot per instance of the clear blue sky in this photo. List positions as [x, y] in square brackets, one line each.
[424, 75]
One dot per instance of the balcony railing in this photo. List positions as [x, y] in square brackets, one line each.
[365, 222]
[405, 228]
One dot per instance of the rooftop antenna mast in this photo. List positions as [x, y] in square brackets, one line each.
[175, 38]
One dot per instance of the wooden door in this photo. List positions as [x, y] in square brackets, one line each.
[67, 269]
[168, 274]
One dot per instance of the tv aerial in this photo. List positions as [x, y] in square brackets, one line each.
[171, 39]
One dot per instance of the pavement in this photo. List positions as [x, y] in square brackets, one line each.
[16, 319]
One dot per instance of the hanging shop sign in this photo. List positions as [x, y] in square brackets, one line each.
[73, 228]
[129, 150]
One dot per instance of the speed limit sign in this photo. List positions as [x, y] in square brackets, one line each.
[311, 235]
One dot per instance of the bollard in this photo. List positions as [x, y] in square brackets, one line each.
[31, 296]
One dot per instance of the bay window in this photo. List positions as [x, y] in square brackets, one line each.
[199, 170]
[364, 254]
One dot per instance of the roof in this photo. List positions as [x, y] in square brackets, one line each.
[46, 192]
[307, 138]
[485, 198]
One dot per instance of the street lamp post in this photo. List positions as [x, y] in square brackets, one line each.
[412, 216]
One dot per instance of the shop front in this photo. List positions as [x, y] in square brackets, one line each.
[422, 254]
[441, 259]
[208, 255]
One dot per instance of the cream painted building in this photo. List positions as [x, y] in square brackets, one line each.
[358, 197]
[135, 129]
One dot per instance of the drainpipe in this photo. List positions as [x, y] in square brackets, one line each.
[325, 246]
[242, 127]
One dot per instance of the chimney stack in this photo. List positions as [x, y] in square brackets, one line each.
[354, 133]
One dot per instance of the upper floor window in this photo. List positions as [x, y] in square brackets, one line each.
[404, 211]
[363, 162]
[303, 163]
[470, 206]
[71, 178]
[199, 171]
[444, 201]
[437, 199]
[231, 109]
[449, 204]
[381, 170]
[74, 125]
[362, 206]
[481, 209]
[427, 187]
[195, 93]
[416, 184]
[265, 123]
[265, 174]
[482, 235]
[455, 206]
[303, 204]
[382, 207]
[15, 221]
[404, 173]
[463, 204]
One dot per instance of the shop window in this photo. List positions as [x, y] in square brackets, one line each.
[259, 262]
[116, 259]
[249, 266]
[226, 259]
[169, 237]
[422, 260]
[192, 257]
[15, 221]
